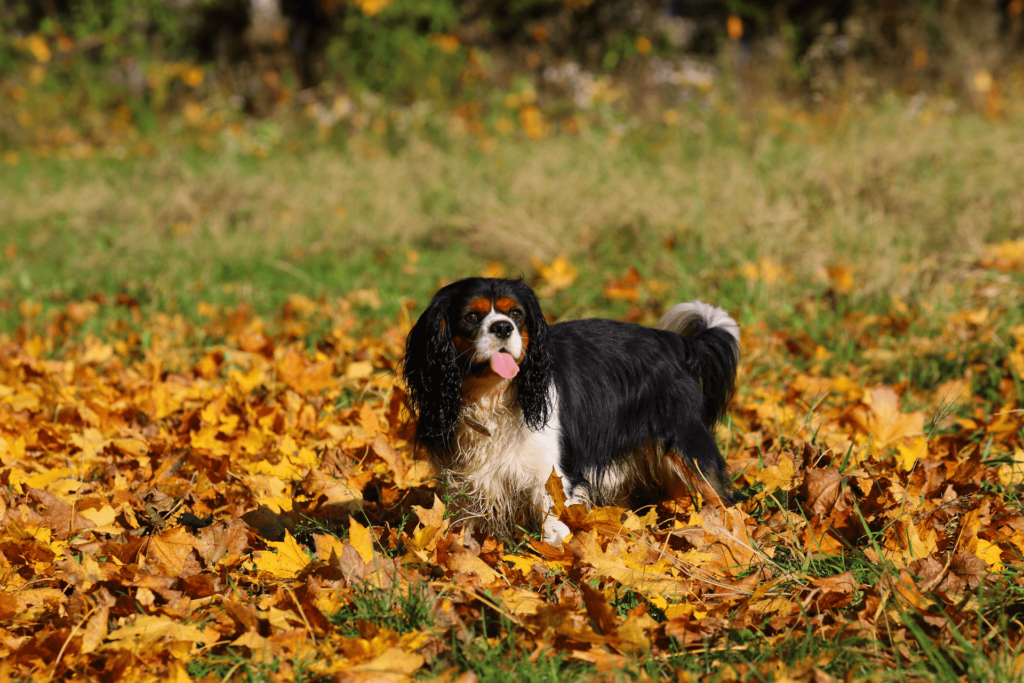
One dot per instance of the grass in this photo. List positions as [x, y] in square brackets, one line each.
[501, 658]
[235, 666]
[897, 200]
[401, 609]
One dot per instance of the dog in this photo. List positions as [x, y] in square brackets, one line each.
[620, 412]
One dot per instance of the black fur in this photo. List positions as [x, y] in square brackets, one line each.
[433, 376]
[621, 387]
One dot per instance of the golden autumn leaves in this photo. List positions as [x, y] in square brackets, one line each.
[167, 502]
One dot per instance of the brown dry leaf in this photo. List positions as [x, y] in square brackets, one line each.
[60, 516]
[965, 572]
[840, 583]
[173, 551]
[557, 492]
[392, 458]
[602, 615]
[464, 563]
[394, 665]
[218, 540]
[822, 489]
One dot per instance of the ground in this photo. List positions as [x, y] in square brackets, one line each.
[208, 470]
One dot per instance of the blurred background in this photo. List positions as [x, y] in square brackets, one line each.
[170, 152]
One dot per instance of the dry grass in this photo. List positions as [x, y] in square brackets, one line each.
[880, 190]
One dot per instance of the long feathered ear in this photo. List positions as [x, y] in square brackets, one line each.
[432, 377]
[534, 379]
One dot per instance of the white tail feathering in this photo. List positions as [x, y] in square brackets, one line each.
[684, 318]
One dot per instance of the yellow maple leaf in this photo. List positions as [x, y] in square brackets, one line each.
[904, 543]
[327, 545]
[361, 539]
[173, 550]
[131, 446]
[989, 553]
[359, 369]
[302, 376]
[781, 475]
[1012, 474]
[841, 279]
[289, 559]
[368, 420]
[523, 564]
[148, 628]
[393, 664]
[36, 45]
[493, 270]
[521, 601]
[628, 565]
[886, 423]
[908, 454]
[104, 519]
[417, 546]
[559, 275]
[39, 480]
[241, 383]
[372, 7]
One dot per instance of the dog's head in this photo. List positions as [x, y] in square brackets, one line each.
[476, 328]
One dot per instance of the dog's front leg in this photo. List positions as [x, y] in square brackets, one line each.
[555, 531]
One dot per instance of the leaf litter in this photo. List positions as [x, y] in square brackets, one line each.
[170, 507]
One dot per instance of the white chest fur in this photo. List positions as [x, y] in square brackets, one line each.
[500, 478]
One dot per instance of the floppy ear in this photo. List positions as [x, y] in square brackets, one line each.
[432, 377]
[534, 379]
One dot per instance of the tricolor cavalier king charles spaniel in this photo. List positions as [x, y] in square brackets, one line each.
[623, 413]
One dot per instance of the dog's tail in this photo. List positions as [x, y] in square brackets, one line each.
[713, 340]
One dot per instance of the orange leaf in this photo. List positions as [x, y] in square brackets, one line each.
[304, 377]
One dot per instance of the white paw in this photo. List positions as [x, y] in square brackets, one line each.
[554, 531]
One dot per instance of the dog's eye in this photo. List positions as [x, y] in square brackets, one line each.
[515, 314]
[471, 317]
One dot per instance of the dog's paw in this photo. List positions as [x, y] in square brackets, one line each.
[554, 531]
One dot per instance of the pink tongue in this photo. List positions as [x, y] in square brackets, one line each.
[504, 365]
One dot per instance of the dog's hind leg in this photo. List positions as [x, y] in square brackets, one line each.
[697, 462]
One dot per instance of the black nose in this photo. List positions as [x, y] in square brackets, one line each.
[501, 329]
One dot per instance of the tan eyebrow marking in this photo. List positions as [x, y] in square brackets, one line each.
[480, 305]
[505, 304]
